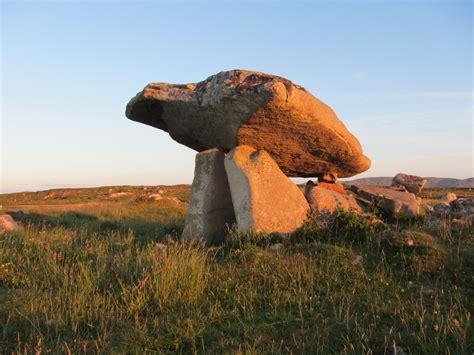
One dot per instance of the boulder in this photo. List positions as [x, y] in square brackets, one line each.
[264, 199]
[411, 183]
[463, 206]
[7, 224]
[210, 207]
[325, 202]
[449, 197]
[239, 107]
[391, 201]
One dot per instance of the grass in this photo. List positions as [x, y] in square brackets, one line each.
[100, 280]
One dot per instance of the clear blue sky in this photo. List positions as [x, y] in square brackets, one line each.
[397, 73]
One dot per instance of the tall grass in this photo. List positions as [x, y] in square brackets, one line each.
[343, 287]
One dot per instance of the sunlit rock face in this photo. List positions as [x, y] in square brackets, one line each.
[238, 107]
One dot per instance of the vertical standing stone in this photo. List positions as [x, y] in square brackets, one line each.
[264, 199]
[210, 206]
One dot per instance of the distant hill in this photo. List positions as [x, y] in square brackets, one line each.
[432, 182]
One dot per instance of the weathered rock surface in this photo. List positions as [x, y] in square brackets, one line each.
[7, 224]
[238, 107]
[210, 206]
[325, 202]
[338, 187]
[412, 183]
[264, 199]
[391, 201]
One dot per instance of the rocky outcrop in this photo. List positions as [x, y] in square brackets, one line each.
[393, 202]
[210, 206]
[238, 107]
[411, 183]
[264, 199]
[325, 202]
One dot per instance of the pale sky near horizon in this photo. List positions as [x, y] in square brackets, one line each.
[398, 74]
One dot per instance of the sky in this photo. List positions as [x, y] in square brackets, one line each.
[397, 73]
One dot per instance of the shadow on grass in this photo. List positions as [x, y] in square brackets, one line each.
[143, 230]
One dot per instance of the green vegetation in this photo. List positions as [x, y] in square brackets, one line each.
[95, 278]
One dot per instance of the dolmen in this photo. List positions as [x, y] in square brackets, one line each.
[253, 131]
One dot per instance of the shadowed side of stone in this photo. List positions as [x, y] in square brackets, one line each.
[210, 206]
[264, 199]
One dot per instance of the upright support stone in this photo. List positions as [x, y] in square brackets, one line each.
[210, 206]
[264, 199]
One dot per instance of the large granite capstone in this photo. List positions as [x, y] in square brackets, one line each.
[238, 107]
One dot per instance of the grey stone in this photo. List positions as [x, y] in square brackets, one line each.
[412, 183]
[391, 201]
[210, 206]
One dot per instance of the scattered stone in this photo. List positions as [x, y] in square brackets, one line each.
[238, 107]
[372, 219]
[463, 206]
[119, 194]
[391, 201]
[338, 187]
[427, 208]
[7, 224]
[449, 197]
[264, 199]
[325, 202]
[412, 183]
[162, 248]
[276, 247]
[442, 208]
[210, 206]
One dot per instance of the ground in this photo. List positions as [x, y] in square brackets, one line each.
[103, 270]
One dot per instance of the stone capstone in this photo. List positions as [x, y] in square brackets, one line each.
[264, 199]
[211, 210]
[239, 107]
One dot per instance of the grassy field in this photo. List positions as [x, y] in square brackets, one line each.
[103, 270]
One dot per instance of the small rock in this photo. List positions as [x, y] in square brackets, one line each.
[7, 224]
[277, 247]
[450, 196]
[442, 208]
[326, 202]
[155, 197]
[327, 177]
[427, 208]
